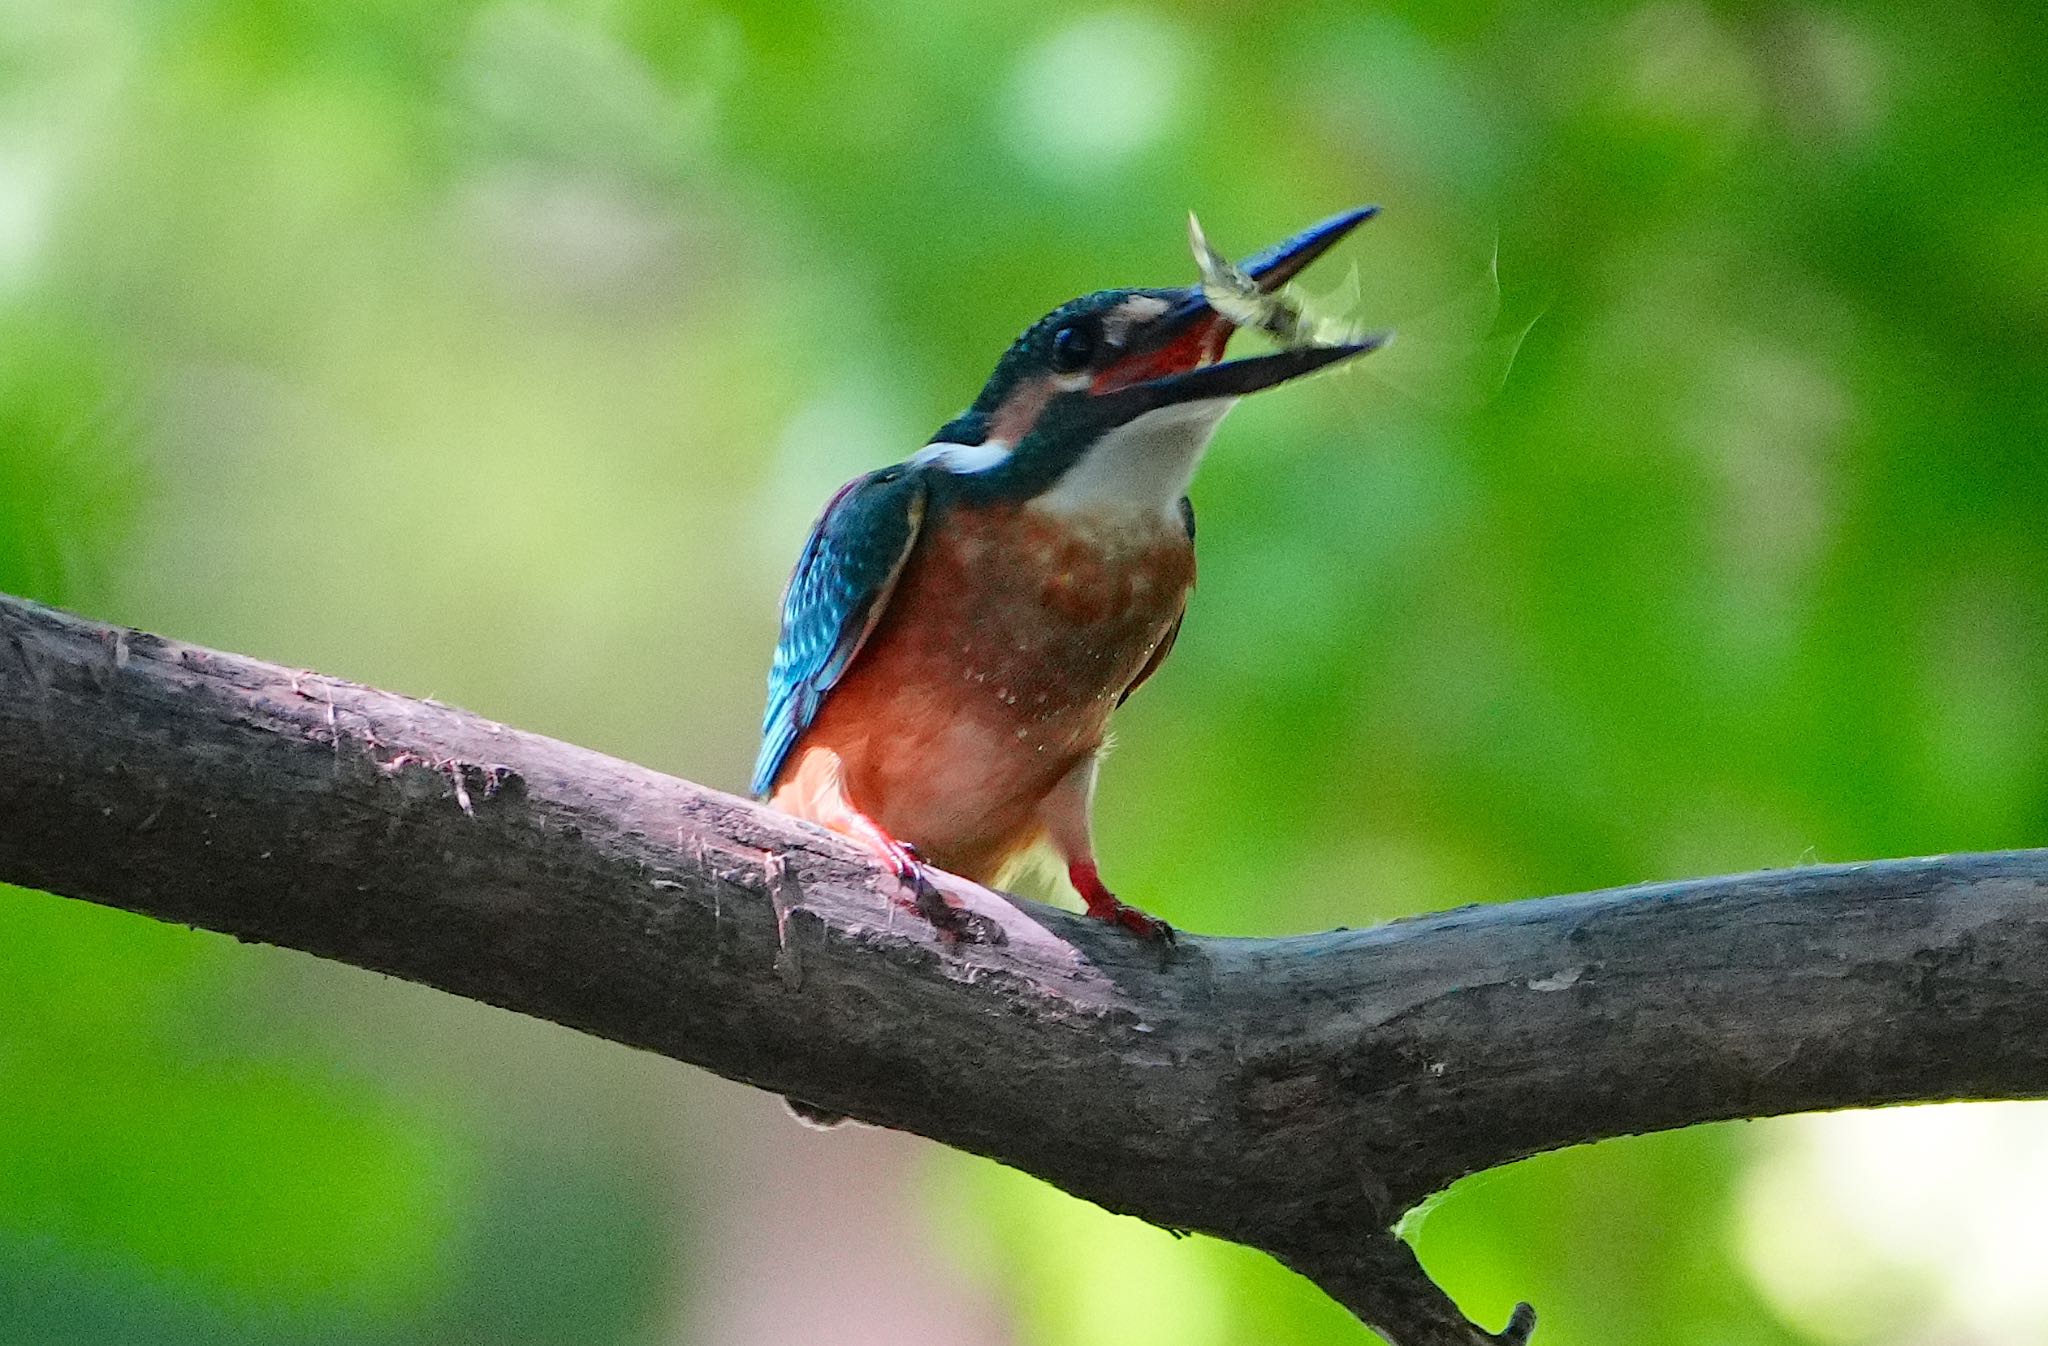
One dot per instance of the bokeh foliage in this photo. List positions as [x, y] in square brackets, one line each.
[502, 351]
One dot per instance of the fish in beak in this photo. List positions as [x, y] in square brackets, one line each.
[1177, 356]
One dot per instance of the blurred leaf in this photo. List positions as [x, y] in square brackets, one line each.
[67, 481]
[126, 1139]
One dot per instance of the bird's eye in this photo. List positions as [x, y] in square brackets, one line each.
[1073, 346]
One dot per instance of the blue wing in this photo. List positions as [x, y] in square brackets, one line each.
[839, 591]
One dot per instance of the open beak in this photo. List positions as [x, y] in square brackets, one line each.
[1178, 356]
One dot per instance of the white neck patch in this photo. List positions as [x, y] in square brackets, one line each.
[1143, 466]
[964, 459]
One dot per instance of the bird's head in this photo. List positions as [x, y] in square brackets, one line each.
[1110, 399]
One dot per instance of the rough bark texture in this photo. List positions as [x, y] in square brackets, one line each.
[1292, 1094]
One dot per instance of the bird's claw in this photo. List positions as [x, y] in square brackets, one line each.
[1137, 922]
[956, 923]
[1104, 905]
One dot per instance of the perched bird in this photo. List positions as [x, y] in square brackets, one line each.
[960, 625]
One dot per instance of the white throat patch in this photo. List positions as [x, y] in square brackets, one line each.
[1141, 467]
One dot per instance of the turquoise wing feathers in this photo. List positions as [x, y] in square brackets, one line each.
[841, 587]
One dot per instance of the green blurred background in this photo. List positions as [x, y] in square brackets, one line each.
[502, 351]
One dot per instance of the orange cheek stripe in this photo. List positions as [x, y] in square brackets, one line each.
[1014, 419]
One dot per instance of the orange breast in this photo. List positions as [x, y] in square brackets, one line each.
[1009, 639]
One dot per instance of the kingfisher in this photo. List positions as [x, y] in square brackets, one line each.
[960, 625]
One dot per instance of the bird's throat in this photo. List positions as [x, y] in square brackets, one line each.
[1140, 469]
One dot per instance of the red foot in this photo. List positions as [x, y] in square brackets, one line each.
[1104, 905]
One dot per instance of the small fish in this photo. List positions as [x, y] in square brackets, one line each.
[1282, 314]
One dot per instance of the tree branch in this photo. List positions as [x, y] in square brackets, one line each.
[1292, 1094]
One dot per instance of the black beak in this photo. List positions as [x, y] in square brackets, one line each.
[1287, 259]
[1191, 324]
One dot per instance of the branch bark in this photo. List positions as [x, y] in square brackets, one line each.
[1296, 1094]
